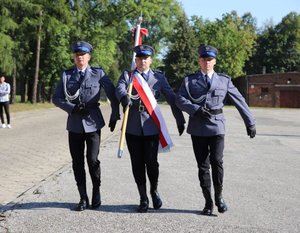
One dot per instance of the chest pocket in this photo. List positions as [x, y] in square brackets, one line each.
[197, 90]
[155, 86]
[218, 96]
[73, 86]
[90, 88]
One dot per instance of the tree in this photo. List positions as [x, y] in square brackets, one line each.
[35, 49]
[277, 47]
[7, 44]
[159, 18]
[181, 58]
[55, 56]
[233, 36]
[286, 54]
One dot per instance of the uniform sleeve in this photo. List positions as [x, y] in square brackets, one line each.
[109, 89]
[59, 98]
[170, 97]
[239, 102]
[122, 85]
[183, 102]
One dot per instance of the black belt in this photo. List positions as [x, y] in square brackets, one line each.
[92, 105]
[140, 107]
[215, 111]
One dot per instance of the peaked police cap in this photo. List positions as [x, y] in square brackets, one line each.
[207, 51]
[81, 47]
[143, 51]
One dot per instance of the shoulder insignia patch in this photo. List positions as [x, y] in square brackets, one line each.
[224, 75]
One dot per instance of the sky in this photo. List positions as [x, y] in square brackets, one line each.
[262, 10]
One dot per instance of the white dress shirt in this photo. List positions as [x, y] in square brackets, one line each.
[4, 92]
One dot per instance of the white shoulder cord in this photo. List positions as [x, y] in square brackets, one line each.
[68, 96]
[198, 100]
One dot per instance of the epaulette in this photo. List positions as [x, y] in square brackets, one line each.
[225, 75]
[96, 67]
[190, 75]
[158, 71]
[70, 69]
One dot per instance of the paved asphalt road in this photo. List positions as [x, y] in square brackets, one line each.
[261, 182]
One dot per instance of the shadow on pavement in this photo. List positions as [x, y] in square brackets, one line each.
[278, 135]
[102, 208]
[39, 205]
[132, 209]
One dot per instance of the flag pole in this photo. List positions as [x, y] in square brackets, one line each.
[137, 41]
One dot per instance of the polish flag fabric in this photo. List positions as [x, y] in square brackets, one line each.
[146, 95]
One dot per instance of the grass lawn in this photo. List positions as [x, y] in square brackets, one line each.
[18, 107]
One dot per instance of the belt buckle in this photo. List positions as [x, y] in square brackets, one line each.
[141, 108]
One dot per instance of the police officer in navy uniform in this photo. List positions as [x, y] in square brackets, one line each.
[142, 134]
[202, 95]
[78, 93]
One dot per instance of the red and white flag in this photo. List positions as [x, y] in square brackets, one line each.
[146, 95]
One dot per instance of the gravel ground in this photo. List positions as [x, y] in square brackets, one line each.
[261, 185]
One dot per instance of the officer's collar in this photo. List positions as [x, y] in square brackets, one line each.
[83, 70]
[210, 74]
[146, 72]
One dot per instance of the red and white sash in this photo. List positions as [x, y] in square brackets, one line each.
[146, 95]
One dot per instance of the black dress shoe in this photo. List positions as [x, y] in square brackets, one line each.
[208, 209]
[222, 207]
[82, 205]
[157, 203]
[96, 199]
[143, 207]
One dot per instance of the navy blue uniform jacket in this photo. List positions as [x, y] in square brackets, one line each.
[194, 93]
[89, 94]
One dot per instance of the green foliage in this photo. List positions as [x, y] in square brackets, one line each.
[181, 58]
[233, 36]
[277, 47]
[6, 53]
[107, 25]
[7, 44]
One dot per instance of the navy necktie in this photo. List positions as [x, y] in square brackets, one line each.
[145, 76]
[208, 81]
[81, 75]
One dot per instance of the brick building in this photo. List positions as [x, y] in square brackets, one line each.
[271, 90]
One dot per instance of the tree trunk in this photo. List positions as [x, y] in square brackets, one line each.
[14, 85]
[24, 89]
[37, 64]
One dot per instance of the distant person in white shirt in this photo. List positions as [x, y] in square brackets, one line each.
[4, 102]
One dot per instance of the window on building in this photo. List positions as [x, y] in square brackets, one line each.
[264, 91]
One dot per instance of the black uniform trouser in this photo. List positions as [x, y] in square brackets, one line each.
[77, 143]
[4, 105]
[209, 152]
[143, 153]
